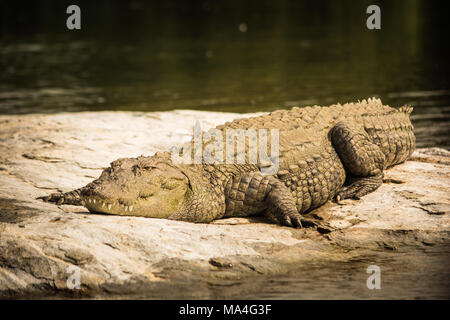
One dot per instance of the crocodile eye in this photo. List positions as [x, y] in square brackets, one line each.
[149, 191]
[146, 194]
[169, 184]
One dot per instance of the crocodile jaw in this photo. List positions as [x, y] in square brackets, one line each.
[98, 205]
[145, 186]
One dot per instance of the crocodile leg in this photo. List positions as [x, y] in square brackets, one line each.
[282, 208]
[71, 197]
[362, 158]
[253, 192]
[281, 205]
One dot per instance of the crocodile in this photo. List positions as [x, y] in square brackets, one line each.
[325, 153]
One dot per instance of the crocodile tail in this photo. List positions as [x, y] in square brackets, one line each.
[406, 109]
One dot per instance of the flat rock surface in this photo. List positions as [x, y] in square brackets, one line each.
[45, 248]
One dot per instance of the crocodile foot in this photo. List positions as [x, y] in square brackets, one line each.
[72, 197]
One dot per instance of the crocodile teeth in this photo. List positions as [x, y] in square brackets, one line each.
[103, 204]
[130, 208]
[94, 201]
[266, 164]
[109, 206]
[126, 208]
[83, 202]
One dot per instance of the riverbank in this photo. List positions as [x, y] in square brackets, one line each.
[45, 248]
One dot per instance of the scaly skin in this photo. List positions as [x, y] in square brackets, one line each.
[320, 148]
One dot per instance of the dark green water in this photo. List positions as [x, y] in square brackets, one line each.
[226, 56]
[241, 57]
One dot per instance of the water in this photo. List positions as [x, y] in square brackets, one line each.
[226, 56]
[409, 272]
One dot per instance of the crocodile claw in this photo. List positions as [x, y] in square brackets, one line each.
[54, 197]
[292, 221]
[63, 198]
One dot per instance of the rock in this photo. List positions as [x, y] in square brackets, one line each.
[45, 249]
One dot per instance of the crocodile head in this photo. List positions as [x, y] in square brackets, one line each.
[143, 186]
